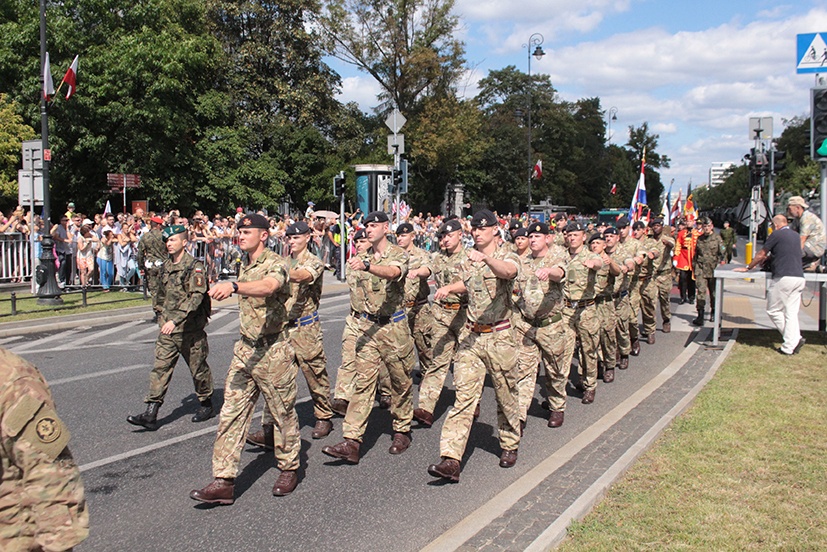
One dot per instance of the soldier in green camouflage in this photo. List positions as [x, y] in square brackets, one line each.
[579, 312]
[264, 362]
[661, 280]
[633, 246]
[729, 238]
[305, 334]
[709, 253]
[486, 344]
[540, 330]
[383, 335]
[603, 289]
[151, 256]
[622, 255]
[184, 314]
[646, 291]
[449, 317]
[42, 506]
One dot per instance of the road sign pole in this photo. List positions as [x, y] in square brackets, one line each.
[822, 301]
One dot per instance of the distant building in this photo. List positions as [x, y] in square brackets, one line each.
[717, 172]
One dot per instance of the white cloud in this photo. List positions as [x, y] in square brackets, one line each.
[664, 128]
[362, 90]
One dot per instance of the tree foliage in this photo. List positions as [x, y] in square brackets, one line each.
[12, 132]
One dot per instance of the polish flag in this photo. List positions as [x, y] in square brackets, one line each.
[614, 189]
[70, 78]
[538, 170]
[48, 83]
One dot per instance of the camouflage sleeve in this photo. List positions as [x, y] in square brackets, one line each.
[141, 252]
[397, 257]
[196, 289]
[277, 269]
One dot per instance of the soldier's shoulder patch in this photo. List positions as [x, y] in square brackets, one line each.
[46, 433]
[48, 429]
[198, 279]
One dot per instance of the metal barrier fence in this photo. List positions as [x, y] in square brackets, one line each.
[15, 258]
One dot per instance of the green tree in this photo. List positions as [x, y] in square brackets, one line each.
[12, 133]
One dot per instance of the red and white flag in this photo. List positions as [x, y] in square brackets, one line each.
[48, 83]
[70, 78]
[538, 170]
[614, 189]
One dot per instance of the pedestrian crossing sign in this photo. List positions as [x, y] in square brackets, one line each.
[811, 54]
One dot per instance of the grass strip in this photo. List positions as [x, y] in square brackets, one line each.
[28, 309]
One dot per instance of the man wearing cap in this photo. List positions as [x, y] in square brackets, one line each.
[560, 229]
[383, 335]
[623, 257]
[709, 253]
[486, 344]
[417, 291]
[449, 317]
[541, 332]
[809, 228]
[304, 332]
[185, 308]
[264, 362]
[151, 256]
[633, 247]
[520, 238]
[604, 283]
[579, 312]
[730, 238]
[644, 293]
[661, 282]
[513, 227]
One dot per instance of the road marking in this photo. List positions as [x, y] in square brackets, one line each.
[81, 377]
[457, 535]
[162, 444]
[97, 334]
[226, 328]
[10, 339]
[38, 342]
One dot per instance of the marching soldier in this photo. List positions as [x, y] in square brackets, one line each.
[305, 334]
[43, 507]
[729, 238]
[264, 362]
[644, 299]
[603, 289]
[709, 253]
[541, 332]
[151, 256]
[383, 336]
[622, 255]
[486, 344]
[661, 279]
[185, 310]
[632, 245]
[449, 317]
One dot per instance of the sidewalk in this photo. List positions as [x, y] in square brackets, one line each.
[62, 322]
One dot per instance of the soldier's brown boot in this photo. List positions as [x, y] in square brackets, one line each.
[384, 402]
[636, 347]
[263, 437]
[339, 406]
[220, 491]
[423, 417]
[608, 375]
[401, 442]
[347, 450]
[650, 339]
[667, 326]
[148, 419]
[477, 411]
[448, 468]
[555, 419]
[508, 458]
[624, 362]
[322, 429]
[285, 483]
[588, 396]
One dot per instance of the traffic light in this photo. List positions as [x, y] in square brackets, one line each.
[397, 179]
[818, 123]
[339, 184]
[779, 162]
[403, 168]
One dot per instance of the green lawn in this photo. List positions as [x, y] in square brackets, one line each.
[745, 468]
[28, 309]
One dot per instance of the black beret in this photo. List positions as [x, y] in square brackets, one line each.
[297, 228]
[376, 216]
[360, 235]
[404, 228]
[538, 228]
[622, 222]
[449, 226]
[559, 217]
[254, 220]
[521, 232]
[575, 227]
[638, 225]
[610, 230]
[515, 224]
[602, 223]
[596, 236]
[482, 219]
[658, 220]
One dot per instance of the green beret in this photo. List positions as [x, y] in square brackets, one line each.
[174, 229]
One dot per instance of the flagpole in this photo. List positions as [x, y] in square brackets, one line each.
[48, 293]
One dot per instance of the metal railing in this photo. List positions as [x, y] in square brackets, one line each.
[15, 257]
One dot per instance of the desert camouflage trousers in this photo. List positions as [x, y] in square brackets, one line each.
[194, 348]
[585, 324]
[623, 310]
[656, 290]
[549, 344]
[420, 322]
[495, 353]
[269, 371]
[376, 345]
[634, 305]
[309, 347]
[346, 372]
[445, 331]
[607, 347]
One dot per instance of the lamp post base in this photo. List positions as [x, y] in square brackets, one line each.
[48, 293]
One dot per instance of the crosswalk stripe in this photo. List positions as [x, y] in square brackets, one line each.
[39, 342]
[98, 334]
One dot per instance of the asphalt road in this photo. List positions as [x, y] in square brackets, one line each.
[138, 482]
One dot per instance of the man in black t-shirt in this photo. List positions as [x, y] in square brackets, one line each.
[784, 291]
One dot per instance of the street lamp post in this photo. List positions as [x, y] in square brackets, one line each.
[611, 116]
[535, 41]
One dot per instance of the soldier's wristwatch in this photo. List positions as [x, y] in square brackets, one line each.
[235, 287]
[367, 265]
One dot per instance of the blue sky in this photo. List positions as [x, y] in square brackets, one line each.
[695, 71]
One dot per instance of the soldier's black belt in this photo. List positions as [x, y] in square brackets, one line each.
[398, 316]
[452, 306]
[304, 320]
[411, 304]
[620, 294]
[644, 278]
[600, 299]
[582, 304]
[543, 322]
[489, 328]
[264, 341]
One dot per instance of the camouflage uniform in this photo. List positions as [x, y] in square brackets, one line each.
[636, 249]
[184, 301]
[486, 343]
[305, 334]
[623, 253]
[381, 337]
[42, 506]
[580, 315]
[605, 307]
[417, 308]
[709, 251]
[449, 317]
[647, 287]
[541, 332]
[661, 283]
[151, 256]
[729, 238]
[263, 362]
